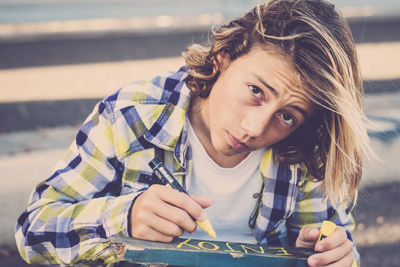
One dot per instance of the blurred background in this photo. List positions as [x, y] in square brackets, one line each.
[59, 57]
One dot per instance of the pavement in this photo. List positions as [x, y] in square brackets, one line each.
[32, 97]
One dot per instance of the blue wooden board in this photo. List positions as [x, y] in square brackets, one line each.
[192, 252]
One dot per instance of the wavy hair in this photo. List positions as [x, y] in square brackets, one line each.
[317, 39]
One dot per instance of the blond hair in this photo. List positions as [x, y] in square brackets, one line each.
[317, 39]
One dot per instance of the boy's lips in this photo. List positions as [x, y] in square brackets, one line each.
[235, 143]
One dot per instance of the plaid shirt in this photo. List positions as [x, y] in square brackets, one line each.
[72, 214]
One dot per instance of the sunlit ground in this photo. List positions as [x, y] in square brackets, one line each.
[379, 61]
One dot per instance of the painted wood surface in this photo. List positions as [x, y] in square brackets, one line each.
[192, 252]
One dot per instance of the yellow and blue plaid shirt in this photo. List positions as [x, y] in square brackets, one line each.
[71, 215]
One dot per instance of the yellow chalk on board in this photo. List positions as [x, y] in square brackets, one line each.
[207, 227]
[326, 230]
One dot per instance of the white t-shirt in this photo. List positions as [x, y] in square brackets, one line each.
[231, 190]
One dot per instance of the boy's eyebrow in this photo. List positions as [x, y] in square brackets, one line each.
[276, 93]
[302, 111]
[261, 80]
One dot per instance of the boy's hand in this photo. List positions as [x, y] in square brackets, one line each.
[161, 213]
[334, 250]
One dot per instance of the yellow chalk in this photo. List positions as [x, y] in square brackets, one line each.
[207, 227]
[326, 230]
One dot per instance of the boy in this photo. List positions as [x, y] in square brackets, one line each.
[272, 109]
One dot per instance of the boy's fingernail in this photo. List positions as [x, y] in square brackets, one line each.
[313, 261]
[319, 247]
[202, 217]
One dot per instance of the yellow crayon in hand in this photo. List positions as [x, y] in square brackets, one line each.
[167, 178]
[207, 227]
[326, 230]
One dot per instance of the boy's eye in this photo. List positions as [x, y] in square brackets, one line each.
[287, 119]
[256, 91]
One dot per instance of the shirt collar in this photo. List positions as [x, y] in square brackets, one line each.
[166, 128]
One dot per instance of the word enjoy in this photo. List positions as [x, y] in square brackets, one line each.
[238, 248]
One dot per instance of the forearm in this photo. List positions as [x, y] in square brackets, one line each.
[60, 232]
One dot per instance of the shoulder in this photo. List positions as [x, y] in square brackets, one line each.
[145, 100]
[155, 90]
[140, 110]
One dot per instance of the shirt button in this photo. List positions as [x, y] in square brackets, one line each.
[256, 195]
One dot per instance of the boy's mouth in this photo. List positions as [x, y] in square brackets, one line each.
[235, 143]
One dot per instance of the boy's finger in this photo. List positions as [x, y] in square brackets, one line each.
[333, 256]
[149, 233]
[183, 201]
[203, 201]
[338, 238]
[175, 215]
[307, 237]
[310, 233]
[167, 227]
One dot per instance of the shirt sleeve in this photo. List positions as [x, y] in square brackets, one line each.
[312, 209]
[72, 214]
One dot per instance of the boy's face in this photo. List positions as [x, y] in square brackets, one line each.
[255, 103]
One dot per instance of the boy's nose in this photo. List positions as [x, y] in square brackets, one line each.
[256, 123]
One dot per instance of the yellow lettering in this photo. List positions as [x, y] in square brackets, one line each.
[231, 249]
[245, 249]
[186, 243]
[214, 247]
[281, 252]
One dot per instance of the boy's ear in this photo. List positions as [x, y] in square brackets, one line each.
[222, 60]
